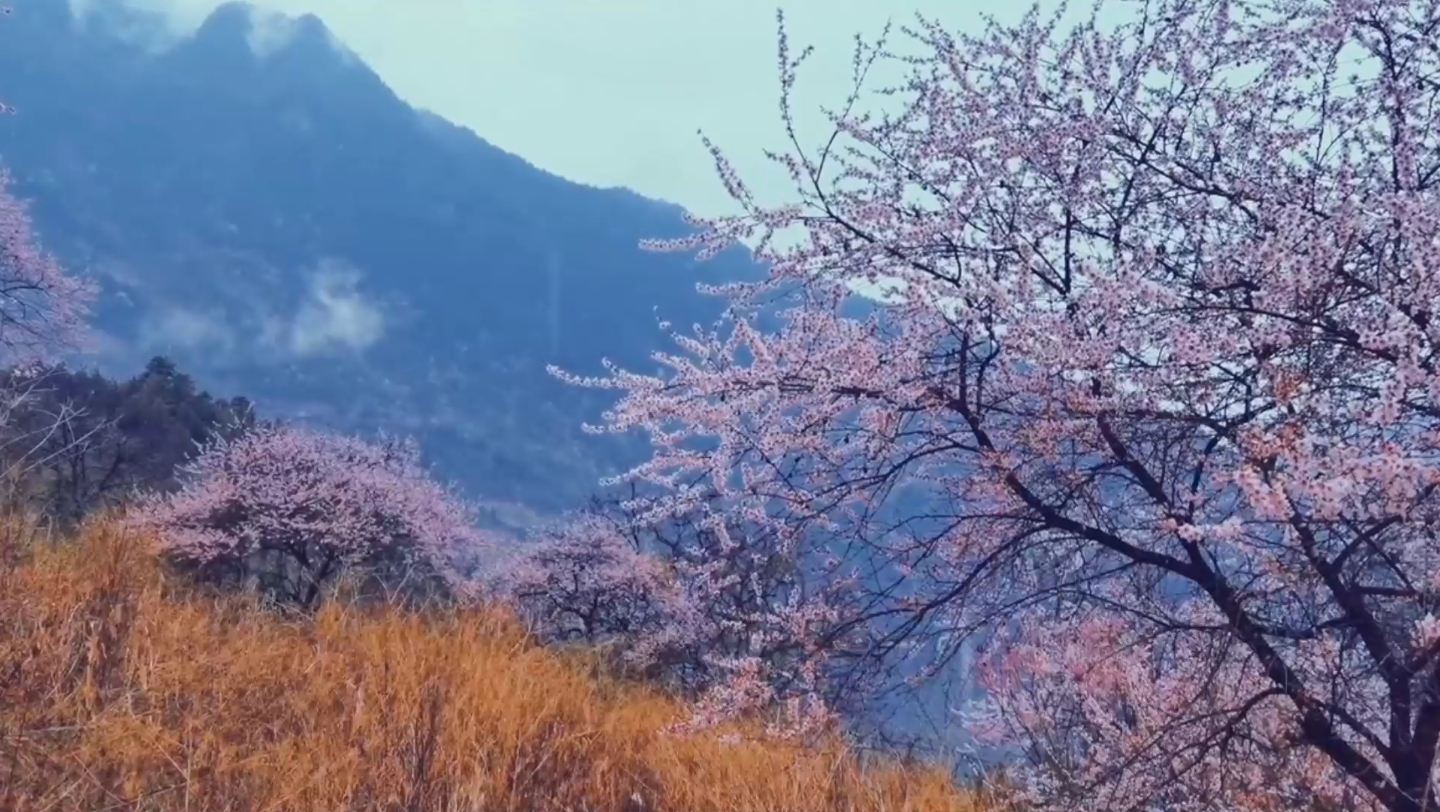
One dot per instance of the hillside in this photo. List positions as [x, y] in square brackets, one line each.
[286, 227]
[122, 688]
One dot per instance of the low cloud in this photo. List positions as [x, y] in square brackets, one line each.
[154, 25]
[157, 25]
[181, 328]
[272, 31]
[334, 316]
[331, 316]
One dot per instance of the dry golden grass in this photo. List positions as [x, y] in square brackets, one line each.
[120, 689]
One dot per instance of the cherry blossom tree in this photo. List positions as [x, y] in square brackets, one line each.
[722, 612]
[584, 581]
[1155, 380]
[295, 509]
[43, 311]
[42, 307]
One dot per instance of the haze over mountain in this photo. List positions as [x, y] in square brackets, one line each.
[266, 212]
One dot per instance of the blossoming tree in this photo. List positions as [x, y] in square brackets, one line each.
[42, 307]
[718, 611]
[43, 312]
[1158, 364]
[585, 581]
[295, 509]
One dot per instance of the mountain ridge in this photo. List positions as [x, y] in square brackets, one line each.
[286, 227]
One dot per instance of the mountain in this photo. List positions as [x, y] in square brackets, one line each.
[279, 222]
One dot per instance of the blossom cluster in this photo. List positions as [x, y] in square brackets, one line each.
[1152, 404]
[298, 508]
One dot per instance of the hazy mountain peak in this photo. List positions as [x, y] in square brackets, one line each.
[261, 207]
[224, 35]
[229, 21]
[245, 36]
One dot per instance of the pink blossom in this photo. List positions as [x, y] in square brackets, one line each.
[42, 307]
[1158, 385]
[710, 609]
[297, 508]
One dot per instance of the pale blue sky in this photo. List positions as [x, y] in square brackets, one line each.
[611, 92]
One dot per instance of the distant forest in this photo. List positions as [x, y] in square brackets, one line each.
[75, 441]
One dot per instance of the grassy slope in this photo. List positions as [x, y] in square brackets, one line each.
[121, 689]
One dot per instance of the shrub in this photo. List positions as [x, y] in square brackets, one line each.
[291, 510]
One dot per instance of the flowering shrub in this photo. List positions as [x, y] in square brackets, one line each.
[718, 614]
[294, 509]
[584, 581]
